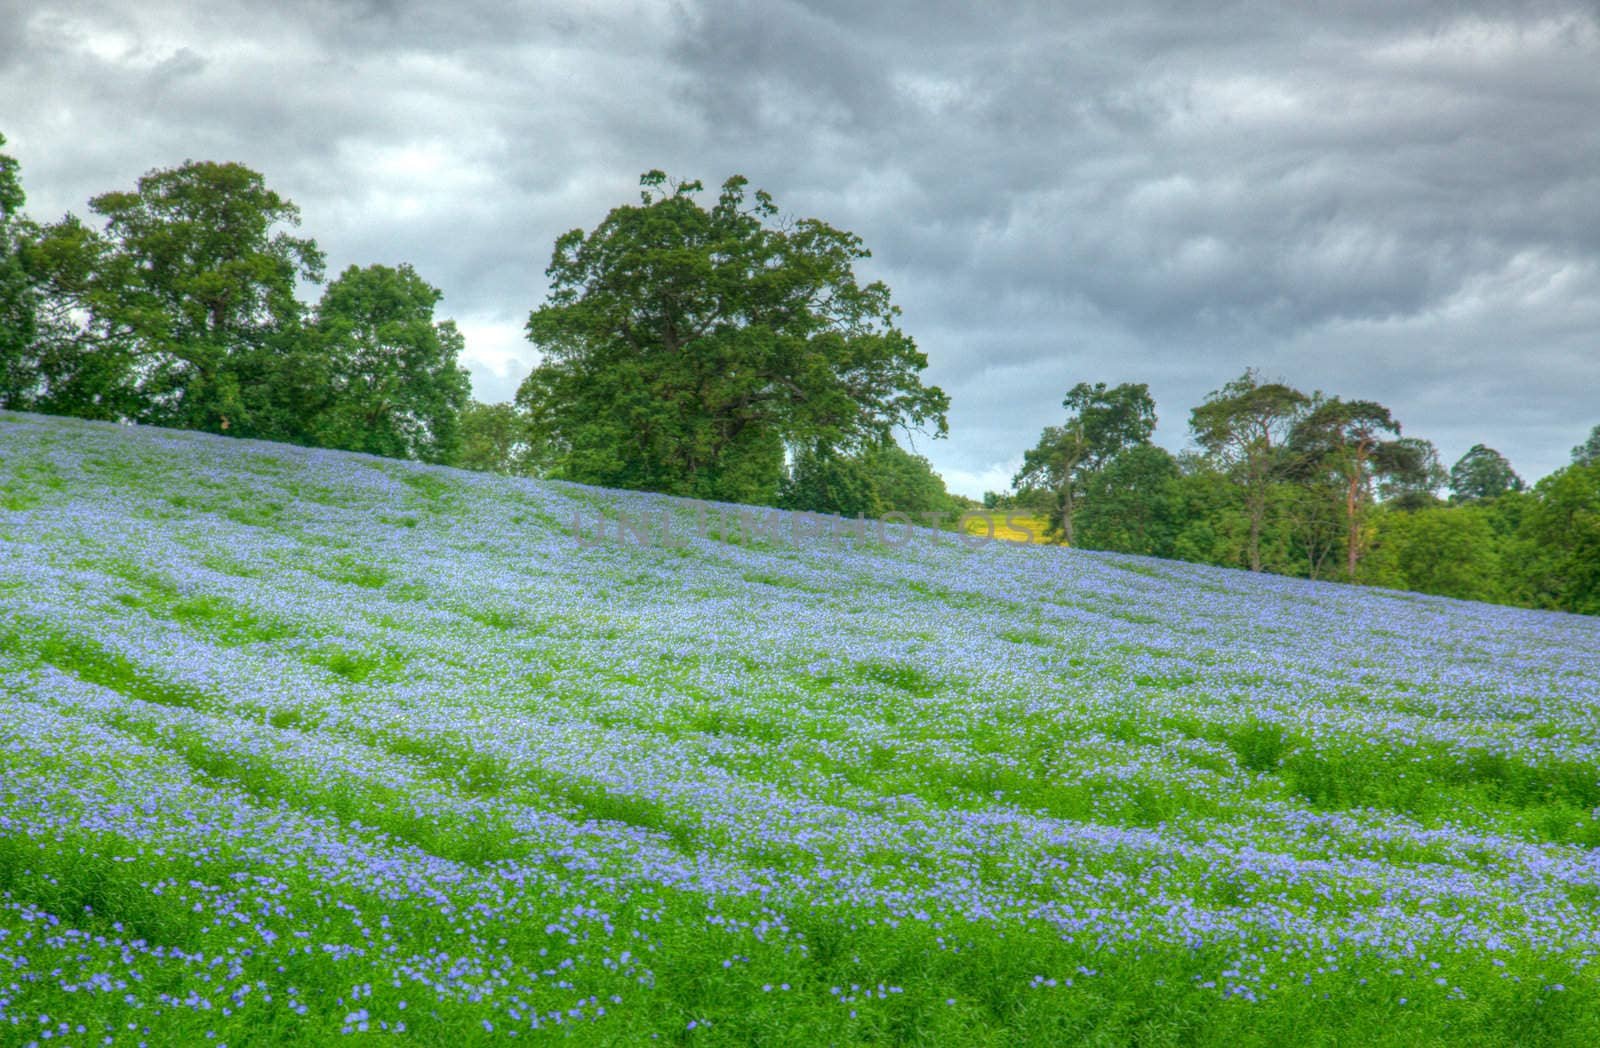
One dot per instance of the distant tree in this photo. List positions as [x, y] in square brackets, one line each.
[1351, 444]
[1101, 421]
[684, 348]
[1449, 551]
[1243, 426]
[1415, 475]
[1588, 453]
[822, 479]
[394, 384]
[1559, 541]
[1212, 526]
[18, 299]
[496, 438]
[906, 482]
[1134, 504]
[1482, 474]
[879, 479]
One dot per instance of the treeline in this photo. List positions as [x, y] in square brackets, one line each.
[181, 309]
[1314, 486]
[709, 352]
[717, 352]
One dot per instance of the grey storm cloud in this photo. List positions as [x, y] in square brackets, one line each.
[1398, 201]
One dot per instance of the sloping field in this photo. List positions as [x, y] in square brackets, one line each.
[297, 744]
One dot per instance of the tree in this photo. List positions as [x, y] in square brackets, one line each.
[1134, 504]
[684, 349]
[880, 479]
[1344, 442]
[1243, 427]
[1482, 474]
[394, 385]
[1414, 475]
[822, 479]
[496, 438]
[1588, 453]
[1101, 422]
[188, 300]
[17, 295]
[1449, 551]
[905, 482]
[1559, 537]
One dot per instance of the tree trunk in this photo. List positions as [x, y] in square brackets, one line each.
[1353, 529]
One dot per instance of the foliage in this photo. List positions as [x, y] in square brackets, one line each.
[882, 478]
[684, 348]
[822, 479]
[1482, 474]
[906, 483]
[1347, 446]
[191, 291]
[1243, 427]
[496, 438]
[1452, 552]
[394, 386]
[1414, 476]
[18, 304]
[1133, 504]
[1101, 421]
[183, 311]
[1588, 453]
[1560, 533]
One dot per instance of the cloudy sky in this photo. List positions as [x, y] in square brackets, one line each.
[1380, 199]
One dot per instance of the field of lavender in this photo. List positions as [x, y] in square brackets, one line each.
[299, 744]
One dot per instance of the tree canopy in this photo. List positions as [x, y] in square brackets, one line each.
[394, 386]
[17, 297]
[684, 348]
[1588, 453]
[184, 310]
[1482, 474]
[1353, 443]
[875, 480]
[1101, 421]
[495, 438]
[187, 298]
[1243, 426]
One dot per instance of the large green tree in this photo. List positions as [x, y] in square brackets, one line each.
[1101, 421]
[1451, 551]
[822, 479]
[393, 384]
[70, 365]
[1413, 476]
[1134, 504]
[186, 300]
[875, 480]
[685, 348]
[1243, 427]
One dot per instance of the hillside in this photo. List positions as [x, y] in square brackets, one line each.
[297, 743]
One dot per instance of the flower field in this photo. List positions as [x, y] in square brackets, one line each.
[299, 746]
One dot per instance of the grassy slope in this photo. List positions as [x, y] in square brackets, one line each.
[291, 737]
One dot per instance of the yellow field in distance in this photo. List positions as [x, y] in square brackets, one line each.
[1002, 531]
